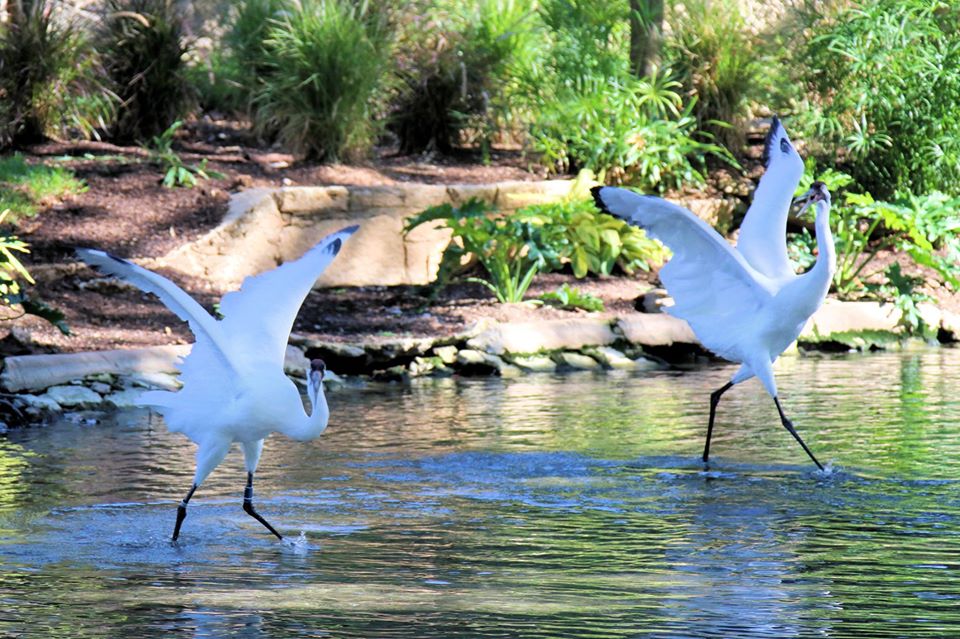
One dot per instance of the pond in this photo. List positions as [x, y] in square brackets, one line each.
[547, 506]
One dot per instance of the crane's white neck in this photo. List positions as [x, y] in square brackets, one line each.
[827, 255]
[312, 426]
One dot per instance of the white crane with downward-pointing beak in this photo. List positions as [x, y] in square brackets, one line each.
[234, 388]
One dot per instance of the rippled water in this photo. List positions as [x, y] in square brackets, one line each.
[548, 506]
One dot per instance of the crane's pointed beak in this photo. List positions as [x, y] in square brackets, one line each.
[815, 193]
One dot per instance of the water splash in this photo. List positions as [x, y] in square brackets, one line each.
[301, 545]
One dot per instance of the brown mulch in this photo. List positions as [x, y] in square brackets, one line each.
[125, 210]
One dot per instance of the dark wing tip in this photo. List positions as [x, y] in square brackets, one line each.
[115, 258]
[772, 135]
[80, 251]
[595, 192]
[350, 230]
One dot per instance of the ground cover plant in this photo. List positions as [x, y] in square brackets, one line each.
[509, 249]
[15, 298]
[175, 171]
[570, 297]
[24, 186]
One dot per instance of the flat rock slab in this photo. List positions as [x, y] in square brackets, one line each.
[73, 396]
[836, 317]
[656, 329]
[550, 335]
[35, 372]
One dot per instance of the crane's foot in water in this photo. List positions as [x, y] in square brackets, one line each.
[793, 431]
[249, 509]
[182, 513]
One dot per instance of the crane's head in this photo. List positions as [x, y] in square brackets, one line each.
[317, 370]
[816, 193]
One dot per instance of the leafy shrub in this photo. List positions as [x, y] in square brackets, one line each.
[456, 72]
[590, 241]
[325, 68]
[924, 228]
[143, 49]
[48, 77]
[897, 116]
[23, 186]
[568, 297]
[13, 293]
[509, 249]
[627, 132]
[902, 290]
[175, 171]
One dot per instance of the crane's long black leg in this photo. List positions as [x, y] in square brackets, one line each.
[789, 426]
[248, 506]
[182, 512]
[714, 400]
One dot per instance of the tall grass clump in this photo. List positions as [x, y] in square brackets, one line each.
[718, 61]
[48, 76]
[231, 76]
[325, 68]
[458, 69]
[143, 46]
[885, 93]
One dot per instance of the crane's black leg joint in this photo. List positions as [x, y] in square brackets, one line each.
[249, 509]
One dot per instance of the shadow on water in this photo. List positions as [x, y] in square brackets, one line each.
[543, 507]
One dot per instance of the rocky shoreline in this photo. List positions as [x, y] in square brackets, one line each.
[38, 387]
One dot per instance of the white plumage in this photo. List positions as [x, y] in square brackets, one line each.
[234, 388]
[746, 304]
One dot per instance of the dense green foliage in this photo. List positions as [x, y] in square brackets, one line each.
[590, 111]
[718, 62]
[629, 133]
[324, 68]
[23, 186]
[143, 46]
[885, 76]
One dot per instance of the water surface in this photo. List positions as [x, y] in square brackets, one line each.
[548, 506]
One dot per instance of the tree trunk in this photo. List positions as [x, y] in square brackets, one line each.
[646, 26]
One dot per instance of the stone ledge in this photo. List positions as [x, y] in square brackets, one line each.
[265, 227]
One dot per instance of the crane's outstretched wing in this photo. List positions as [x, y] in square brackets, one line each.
[713, 287]
[763, 233]
[204, 327]
[258, 318]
